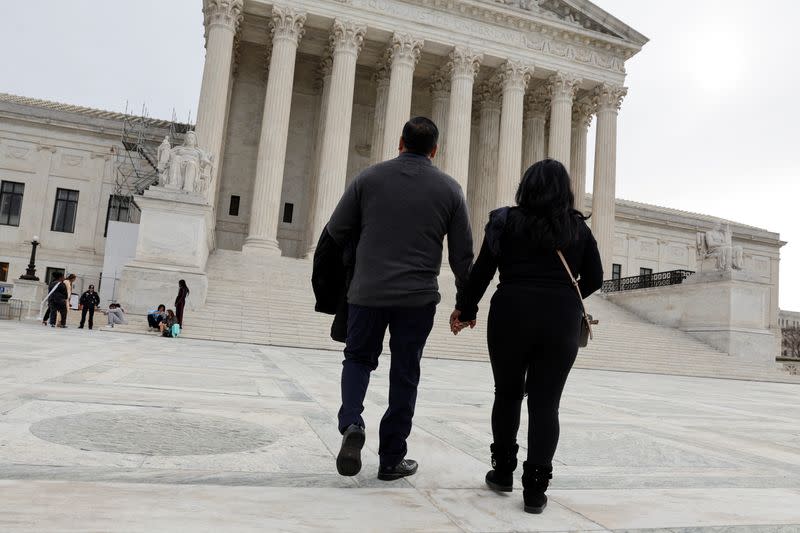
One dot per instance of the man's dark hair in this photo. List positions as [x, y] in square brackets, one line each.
[420, 135]
[58, 275]
[162, 307]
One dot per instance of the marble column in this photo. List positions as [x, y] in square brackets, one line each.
[322, 85]
[514, 77]
[537, 106]
[404, 53]
[347, 39]
[222, 19]
[562, 90]
[488, 97]
[287, 30]
[607, 99]
[464, 64]
[381, 78]
[582, 111]
[440, 106]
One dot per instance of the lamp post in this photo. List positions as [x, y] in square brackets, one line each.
[30, 273]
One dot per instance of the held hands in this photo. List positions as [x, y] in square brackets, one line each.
[457, 325]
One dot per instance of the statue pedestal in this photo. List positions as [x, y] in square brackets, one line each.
[30, 293]
[728, 310]
[173, 244]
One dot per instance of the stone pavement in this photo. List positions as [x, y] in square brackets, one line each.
[102, 432]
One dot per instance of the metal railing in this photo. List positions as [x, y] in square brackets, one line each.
[646, 281]
[11, 310]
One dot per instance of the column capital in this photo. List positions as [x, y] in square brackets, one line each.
[489, 94]
[237, 51]
[582, 111]
[347, 36]
[383, 70]
[464, 62]
[537, 102]
[608, 97]
[223, 13]
[405, 48]
[440, 83]
[563, 86]
[287, 24]
[514, 75]
[324, 69]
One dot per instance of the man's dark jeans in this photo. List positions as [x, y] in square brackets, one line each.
[409, 328]
[57, 308]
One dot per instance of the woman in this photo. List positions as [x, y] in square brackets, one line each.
[116, 315]
[180, 301]
[165, 326]
[534, 318]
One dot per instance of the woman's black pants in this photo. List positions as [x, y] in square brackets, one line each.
[533, 342]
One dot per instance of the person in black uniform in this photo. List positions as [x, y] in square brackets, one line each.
[89, 300]
[534, 318]
[58, 300]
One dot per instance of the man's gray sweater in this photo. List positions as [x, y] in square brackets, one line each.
[400, 210]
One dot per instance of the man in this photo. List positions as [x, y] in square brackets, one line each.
[156, 317]
[58, 300]
[399, 211]
[89, 300]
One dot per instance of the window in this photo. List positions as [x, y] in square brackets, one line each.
[645, 271]
[616, 271]
[233, 210]
[11, 202]
[3, 271]
[120, 209]
[288, 213]
[65, 210]
[51, 272]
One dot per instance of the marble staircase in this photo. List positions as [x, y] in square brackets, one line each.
[269, 301]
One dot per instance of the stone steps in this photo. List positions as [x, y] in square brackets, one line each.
[270, 301]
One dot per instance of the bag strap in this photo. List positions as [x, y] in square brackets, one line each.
[49, 294]
[578, 290]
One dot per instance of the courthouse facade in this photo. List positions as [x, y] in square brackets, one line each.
[297, 98]
[508, 82]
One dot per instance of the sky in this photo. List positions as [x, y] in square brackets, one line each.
[709, 124]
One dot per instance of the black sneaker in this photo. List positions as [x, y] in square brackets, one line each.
[348, 462]
[81, 327]
[405, 468]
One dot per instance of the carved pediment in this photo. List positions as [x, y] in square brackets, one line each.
[571, 12]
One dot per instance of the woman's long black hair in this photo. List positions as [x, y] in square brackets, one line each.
[546, 200]
[182, 285]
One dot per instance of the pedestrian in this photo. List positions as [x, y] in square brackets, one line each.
[534, 319]
[399, 212]
[156, 317]
[46, 303]
[57, 301]
[89, 300]
[116, 315]
[180, 301]
[167, 326]
[69, 281]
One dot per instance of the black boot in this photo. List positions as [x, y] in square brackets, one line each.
[504, 462]
[535, 479]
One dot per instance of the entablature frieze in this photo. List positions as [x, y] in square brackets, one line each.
[485, 27]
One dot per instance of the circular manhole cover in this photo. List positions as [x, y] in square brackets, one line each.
[152, 433]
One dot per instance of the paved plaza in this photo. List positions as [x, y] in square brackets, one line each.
[117, 432]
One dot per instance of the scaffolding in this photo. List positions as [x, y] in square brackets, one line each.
[136, 165]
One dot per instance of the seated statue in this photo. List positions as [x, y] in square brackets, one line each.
[188, 167]
[718, 244]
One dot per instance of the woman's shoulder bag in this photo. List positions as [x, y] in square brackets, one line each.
[587, 321]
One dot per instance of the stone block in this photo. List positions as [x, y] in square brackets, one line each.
[728, 310]
[31, 294]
